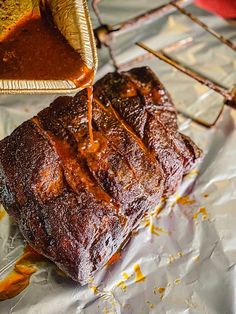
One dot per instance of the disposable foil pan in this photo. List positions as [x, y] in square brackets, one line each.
[73, 20]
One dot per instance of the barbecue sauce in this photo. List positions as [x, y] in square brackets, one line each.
[2, 213]
[34, 49]
[90, 115]
[115, 257]
[138, 272]
[19, 278]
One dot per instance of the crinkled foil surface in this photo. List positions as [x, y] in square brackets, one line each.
[186, 250]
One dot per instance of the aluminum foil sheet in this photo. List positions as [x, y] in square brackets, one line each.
[182, 257]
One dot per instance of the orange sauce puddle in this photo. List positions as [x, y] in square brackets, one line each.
[154, 229]
[160, 291]
[19, 278]
[185, 200]
[192, 173]
[125, 275]
[148, 222]
[114, 259]
[94, 289]
[2, 213]
[122, 283]
[158, 209]
[139, 276]
[203, 212]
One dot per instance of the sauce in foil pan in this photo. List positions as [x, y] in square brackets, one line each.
[46, 46]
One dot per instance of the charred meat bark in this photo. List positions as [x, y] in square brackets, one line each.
[77, 206]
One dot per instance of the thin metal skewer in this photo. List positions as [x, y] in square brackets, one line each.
[224, 40]
[205, 81]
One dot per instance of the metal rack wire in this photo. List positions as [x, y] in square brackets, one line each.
[105, 33]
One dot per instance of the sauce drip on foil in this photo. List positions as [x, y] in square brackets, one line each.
[139, 274]
[19, 278]
[115, 257]
[2, 213]
[201, 212]
[185, 200]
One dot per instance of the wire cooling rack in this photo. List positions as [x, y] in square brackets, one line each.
[105, 35]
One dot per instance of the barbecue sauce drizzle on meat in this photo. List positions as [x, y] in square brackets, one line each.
[34, 49]
[90, 116]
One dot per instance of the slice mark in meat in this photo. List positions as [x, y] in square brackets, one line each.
[112, 144]
[134, 172]
[131, 132]
[71, 166]
[172, 132]
[122, 122]
[127, 128]
[91, 175]
[96, 191]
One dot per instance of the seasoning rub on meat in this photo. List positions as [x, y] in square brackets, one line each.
[77, 205]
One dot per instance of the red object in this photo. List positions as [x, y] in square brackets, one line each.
[224, 8]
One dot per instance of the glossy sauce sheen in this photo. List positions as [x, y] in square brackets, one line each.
[19, 278]
[90, 113]
[35, 50]
[2, 213]
[114, 258]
